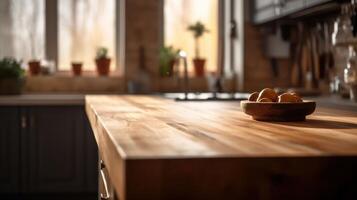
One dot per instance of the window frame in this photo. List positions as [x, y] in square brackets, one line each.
[227, 66]
[52, 34]
[230, 58]
[231, 49]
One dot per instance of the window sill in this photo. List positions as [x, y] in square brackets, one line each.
[84, 74]
[66, 82]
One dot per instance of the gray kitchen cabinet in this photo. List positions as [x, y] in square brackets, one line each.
[315, 2]
[9, 150]
[269, 10]
[49, 151]
[56, 149]
[265, 10]
[290, 6]
[91, 159]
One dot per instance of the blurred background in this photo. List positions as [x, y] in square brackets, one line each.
[54, 52]
[246, 45]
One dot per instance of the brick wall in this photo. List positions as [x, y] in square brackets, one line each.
[142, 30]
[257, 68]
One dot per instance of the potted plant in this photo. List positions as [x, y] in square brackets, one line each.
[11, 76]
[198, 29]
[167, 60]
[102, 61]
[77, 68]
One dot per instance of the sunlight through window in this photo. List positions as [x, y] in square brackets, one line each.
[85, 25]
[179, 14]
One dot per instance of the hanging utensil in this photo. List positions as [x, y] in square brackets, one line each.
[315, 58]
[296, 68]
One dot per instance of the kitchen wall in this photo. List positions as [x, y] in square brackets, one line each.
[258, 72]
[143, 36]
[140, 40]
[309, 33]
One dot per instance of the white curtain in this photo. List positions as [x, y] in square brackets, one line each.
[22, 29]
[179, 14]
[85, 25]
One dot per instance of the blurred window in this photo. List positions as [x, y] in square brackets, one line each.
[179, 14]
[22, 29]
[85, 25]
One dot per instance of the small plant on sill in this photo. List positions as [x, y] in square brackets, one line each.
[11, 76]
[198, 29]
[167, 59]
[102, 61]
[102, 53]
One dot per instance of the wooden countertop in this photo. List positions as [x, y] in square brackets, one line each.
[132, 129]
[152, 127]
[41, 99]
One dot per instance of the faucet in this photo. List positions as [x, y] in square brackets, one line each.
[182, 55]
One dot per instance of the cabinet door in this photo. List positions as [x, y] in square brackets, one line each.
[9, 150]
[310, 3]
[261, 4]
[92, 158]
[56, 150]
[290, 6]
[264, 10]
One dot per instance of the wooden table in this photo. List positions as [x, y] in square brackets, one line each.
[156, 148]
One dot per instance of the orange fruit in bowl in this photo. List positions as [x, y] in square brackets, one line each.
[299, 99]
[294, 93]
[253, 96]
[269, 94]
[265, 100]
[288, 97]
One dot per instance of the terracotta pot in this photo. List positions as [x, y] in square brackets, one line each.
[34, 67]
[199, 66]
[103, 65]
[77, 68]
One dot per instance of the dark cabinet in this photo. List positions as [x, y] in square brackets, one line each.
[58, 152]
[9, 150]
[56, 149]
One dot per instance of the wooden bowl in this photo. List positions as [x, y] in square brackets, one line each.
[273, 111]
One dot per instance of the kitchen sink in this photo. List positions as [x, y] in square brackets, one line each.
[206, 96]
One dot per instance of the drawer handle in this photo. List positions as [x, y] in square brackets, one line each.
[106, 195]
[23, 122]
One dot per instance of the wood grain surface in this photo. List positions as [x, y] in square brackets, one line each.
[161, 149]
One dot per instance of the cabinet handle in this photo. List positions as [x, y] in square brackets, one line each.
[102, 166]
[106, 195]
[32, 121]
[23, 122]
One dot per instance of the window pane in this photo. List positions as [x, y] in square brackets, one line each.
[22, 29]
[181, 13]
[85, 25]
